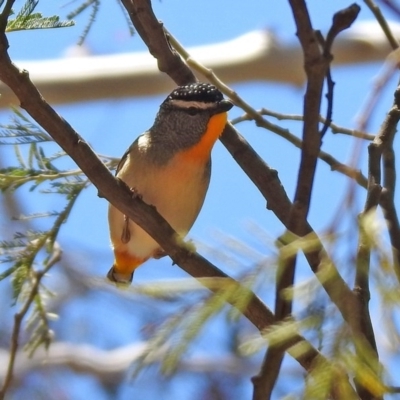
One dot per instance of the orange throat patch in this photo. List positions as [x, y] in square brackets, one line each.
[201, 151]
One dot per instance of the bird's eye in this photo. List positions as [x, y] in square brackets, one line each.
[192, 111]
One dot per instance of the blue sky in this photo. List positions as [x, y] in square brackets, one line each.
[233, 207]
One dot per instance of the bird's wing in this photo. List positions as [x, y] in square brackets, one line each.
[122, 161]
[125, 156]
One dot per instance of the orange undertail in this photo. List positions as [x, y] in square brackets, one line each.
[123, 268]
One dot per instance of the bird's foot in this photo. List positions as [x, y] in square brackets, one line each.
[159, 253]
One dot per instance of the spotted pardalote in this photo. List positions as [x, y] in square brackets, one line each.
[169, 166]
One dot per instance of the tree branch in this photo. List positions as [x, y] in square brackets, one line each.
[144, 215]
[316, 72]
[5, 14]
[394, 7]
[110, 366]
[381, 145]
[384, 142]
[361, 283]
[294, 117]
[383, 23]
[316, 65]
[152, 33]
[18, 318]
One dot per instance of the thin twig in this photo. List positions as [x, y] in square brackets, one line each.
[390, 214]
[264, 381]
[387, 194]
[383, 23]
[394, 7]
[383, 145]
[393, 389]
[316, 67]
[294, 117]
[5, 14]
[145, 22]
[387, 73]
[37, 276]
[342, 20]
[19, 317]
[329, 109]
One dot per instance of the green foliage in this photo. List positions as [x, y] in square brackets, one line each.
[318, 383]
[95, 5]
[127, 19]
[176, 333]
[172, 338]
[36, 169]
[22, 131]
[30, 254]
[26, 19]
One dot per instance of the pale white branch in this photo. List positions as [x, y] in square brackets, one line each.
[255, 56]
[112, 366]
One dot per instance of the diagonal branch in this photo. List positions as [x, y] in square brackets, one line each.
[294, 117]
[19, 316]
[389, 208]
[317, 67]
[152, 33]
[381, 146]
[5, 14]
[142, 214]
[113, 365]
[392, 6]
[383, 23]
[363, 259]
[266, 180]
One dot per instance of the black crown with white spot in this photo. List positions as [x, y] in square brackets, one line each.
[203, 92]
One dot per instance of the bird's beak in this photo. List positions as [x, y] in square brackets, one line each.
[223, 106]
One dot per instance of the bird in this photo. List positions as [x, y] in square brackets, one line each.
[169, 167]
